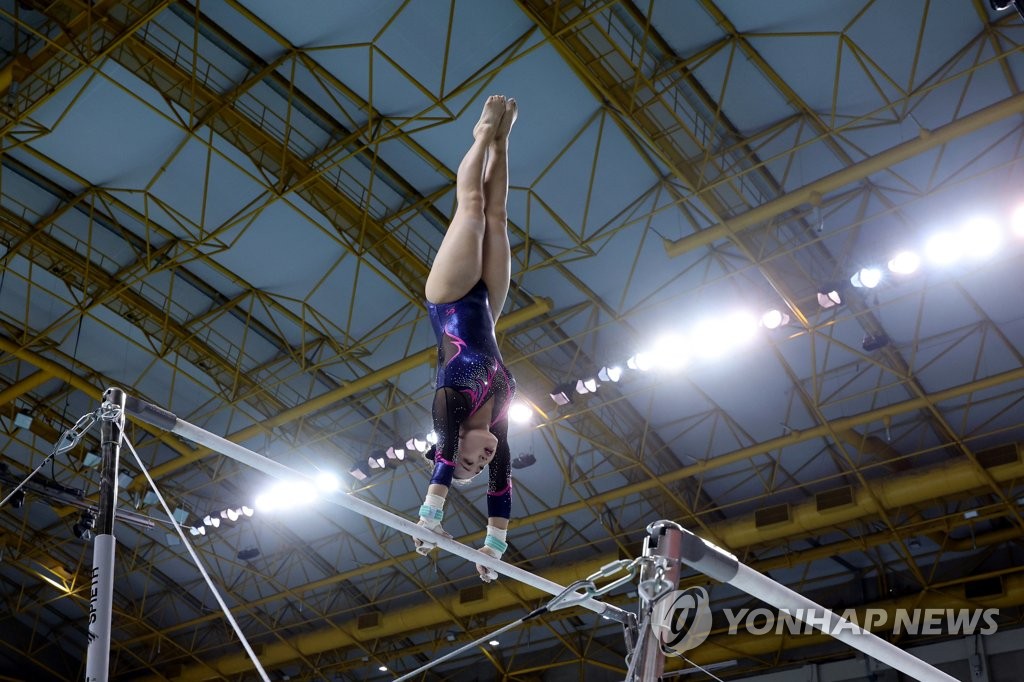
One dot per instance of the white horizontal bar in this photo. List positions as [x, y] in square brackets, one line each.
[374, 513]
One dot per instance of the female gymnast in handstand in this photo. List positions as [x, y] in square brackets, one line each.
[465, 292]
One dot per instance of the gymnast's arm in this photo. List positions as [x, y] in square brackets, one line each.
[499, 499]
[450, 409]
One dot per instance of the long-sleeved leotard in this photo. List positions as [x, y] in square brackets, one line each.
[469, 373]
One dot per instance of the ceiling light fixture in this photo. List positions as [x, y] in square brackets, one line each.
[904, 263]
[773, 319]
[640, 361]
[359, 471]
[829, 296]
[562, 393]
[869, 278]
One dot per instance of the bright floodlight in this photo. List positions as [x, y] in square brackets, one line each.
[519, 412]
[669, 352]
[773, 319]
[248, 511]
[640, 361]
[584, 386]
[432, 437]
[327, 482]
[714, 337]
[610, 374]
[494, 642]
[981, 237]
[286, 495]
[1017, 221]
[944, 248]
[867, 277]
[905, 263]
[233, 515]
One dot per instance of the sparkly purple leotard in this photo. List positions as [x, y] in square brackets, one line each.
[469, 373]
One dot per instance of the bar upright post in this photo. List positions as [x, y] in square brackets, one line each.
[102, 592]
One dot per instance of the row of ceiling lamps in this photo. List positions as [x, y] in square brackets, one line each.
[978, 238]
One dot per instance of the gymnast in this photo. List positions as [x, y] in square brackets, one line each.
[465, 293]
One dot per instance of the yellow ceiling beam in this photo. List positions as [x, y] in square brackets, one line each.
[814, 191]
[20, 388]
[64, 374]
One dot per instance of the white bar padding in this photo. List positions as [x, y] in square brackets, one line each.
[101, 600]
[781, 597]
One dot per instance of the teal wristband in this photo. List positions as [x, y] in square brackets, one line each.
[430, 513]
[495, 544]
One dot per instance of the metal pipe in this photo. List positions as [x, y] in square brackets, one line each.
[101, 595]
[20, 388]
[663, 545]
[720, 565]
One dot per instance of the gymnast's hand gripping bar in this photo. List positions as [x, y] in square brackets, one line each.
[168, 421]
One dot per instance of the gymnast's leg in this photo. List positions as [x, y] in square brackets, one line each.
[497, 258]
[458, 265]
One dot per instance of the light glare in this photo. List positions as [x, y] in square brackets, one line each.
[669, 352]
[520, 412]
[713, 338]
[867, 277]
[773, 319]
[640, 361]
[905, 263]
[1017, 221]
[981, 237]
[327, 482]
[944, 248]
[286, 495]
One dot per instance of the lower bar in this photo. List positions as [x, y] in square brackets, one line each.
[278, 470]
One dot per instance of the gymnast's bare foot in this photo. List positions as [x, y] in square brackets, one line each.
[507, 119]
[490, 118]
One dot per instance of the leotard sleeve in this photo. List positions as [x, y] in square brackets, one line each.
[499, 487]
[449, 411]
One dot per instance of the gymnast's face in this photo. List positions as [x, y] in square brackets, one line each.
[476, 450]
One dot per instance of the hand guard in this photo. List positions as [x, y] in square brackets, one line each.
[495, 546]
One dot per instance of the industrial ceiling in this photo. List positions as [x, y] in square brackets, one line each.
[229, 208]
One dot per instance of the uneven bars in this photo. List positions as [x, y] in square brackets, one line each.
[161, 418]
[716, 563]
